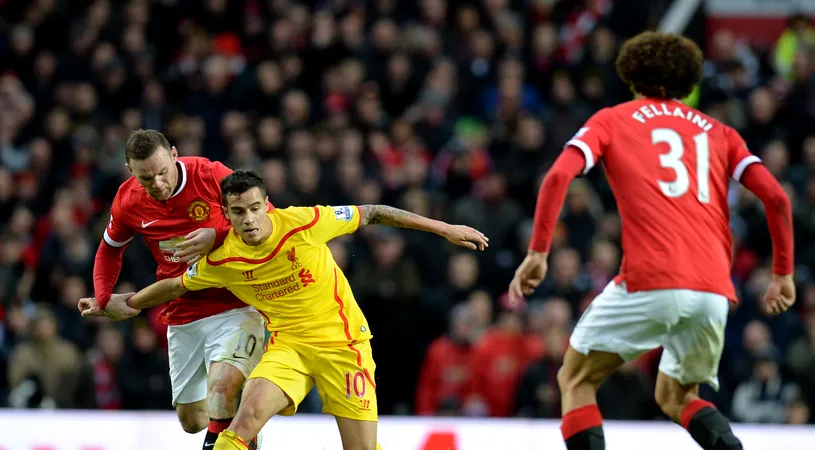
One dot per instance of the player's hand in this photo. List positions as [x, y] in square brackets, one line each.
[780, 294]
[88, 307]
[196, 245]
[528, 276]
[464, 236]
[117, 308]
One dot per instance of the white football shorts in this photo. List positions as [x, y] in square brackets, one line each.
[689, 325]
[235, 337]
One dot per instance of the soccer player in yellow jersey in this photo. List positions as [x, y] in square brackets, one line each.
[279, 263]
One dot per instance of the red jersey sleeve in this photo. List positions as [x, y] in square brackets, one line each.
[738, 156]
[593, 138]
[108, 262]
[117, 234]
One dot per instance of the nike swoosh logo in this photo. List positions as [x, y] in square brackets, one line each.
[145, 225]
[209, 445]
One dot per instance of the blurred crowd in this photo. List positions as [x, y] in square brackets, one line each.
[448, 108]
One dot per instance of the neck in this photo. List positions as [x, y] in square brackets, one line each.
[177, 178]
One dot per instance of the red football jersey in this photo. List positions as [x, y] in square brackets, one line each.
[196, 204]
[669, 167]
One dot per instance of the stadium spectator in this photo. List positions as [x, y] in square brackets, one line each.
[48, 368]
[446, 371]
[765, 396]
[104, 359]
[143, 372]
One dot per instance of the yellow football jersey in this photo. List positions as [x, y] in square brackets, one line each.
[291, 278]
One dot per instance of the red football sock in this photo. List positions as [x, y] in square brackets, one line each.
[581, 419]
[218, 425]
[691, 409]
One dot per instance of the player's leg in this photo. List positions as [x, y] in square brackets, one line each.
[223, 392]
[579, 379]
[276, 386]
[234, 341]
[188, 377]
[357, 434]
[261, 400]
[691, 356]
[193, 416]
[345, 382]
[617, 327]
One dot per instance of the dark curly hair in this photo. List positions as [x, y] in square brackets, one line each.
[660, 65]
[240, 181]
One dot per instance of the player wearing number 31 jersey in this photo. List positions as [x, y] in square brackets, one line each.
[669, 167]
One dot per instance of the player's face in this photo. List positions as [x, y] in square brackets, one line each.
[247, 213]
[157, 174]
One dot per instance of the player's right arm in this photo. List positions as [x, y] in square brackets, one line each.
[762, 183]
[330, 222]
[460, 235]
[580, 155]
[108, 262]
[198, 276]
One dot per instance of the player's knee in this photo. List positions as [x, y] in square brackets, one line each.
[221, 394]
[223, 391]
[570, 381]
[192, 420]
[671, 400]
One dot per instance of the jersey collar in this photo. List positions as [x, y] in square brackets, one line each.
[183, 174]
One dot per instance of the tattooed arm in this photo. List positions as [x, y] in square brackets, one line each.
[395, 217]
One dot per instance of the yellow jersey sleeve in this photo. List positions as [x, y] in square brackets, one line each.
[201, 275]
[333, 221]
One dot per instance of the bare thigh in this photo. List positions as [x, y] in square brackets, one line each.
[357, 434]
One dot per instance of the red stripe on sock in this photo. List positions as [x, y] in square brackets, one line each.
[691, 409]
[581, 419]
[216, 426]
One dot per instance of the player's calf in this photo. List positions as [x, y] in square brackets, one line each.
[357, 434]
[579, 379]
[706, 425]
[193, 416]
[261, 400]
[223, 391]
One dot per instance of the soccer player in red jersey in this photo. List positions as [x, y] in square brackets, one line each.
[214, 339]
[669, 166]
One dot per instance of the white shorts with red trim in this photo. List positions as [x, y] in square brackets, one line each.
[235, 337]
[689, 325]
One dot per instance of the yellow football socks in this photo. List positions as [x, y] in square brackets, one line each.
[228, 440]
[378, 447]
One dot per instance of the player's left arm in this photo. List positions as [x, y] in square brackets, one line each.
[157, 293]
[199, 275]
[747, 169]
[460, 235]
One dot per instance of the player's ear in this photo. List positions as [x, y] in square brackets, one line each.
[127, 164]
[225, 211]
[174, 153]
